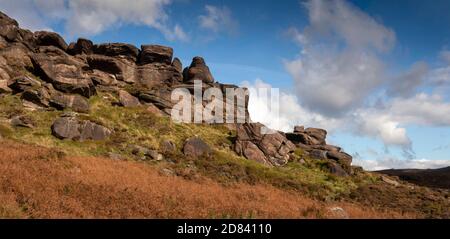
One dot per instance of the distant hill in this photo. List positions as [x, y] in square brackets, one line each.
[437, 178]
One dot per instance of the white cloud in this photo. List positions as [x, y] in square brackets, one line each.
[218, 19]
[445, 55]
[407, 83]
[290, 112]
[339, 63]
[373, 123]
[91, 17]
[392, 163]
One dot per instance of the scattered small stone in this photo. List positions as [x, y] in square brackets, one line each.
[22, 121]
[390, 181]
[338, 213]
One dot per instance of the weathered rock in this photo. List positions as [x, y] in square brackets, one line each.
[337, 170]
[75, 102]
[74, 129]
[177, 65]
[198, 70]
[390, 181]
[15, 60]
[127, 100]
[301, 138]
[9, 32]
[155, 54]
[318, 134]
[4, 87]
[167, 146]
[250, 151]
[40, 97]
[158, 97]
[338, 213]
[310, 136]
[152, 109]
[340, 157]
[145, 153]
[82, 46]
[117, 50]
[154, 155]
[63, 71]
[157, 75]
[276, 148]
[196, 147]
[101, 78]
[23, 83]
[44, 38]
[8, 27]
[6, 20]
[122, 69]
[22, 121]
[318, 154]
[299, 129]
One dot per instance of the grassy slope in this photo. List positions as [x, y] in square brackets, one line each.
[138, 127]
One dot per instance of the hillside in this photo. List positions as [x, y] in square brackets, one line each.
[86, 131]
[438, 178]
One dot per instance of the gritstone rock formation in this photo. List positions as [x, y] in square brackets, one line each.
[47, 73]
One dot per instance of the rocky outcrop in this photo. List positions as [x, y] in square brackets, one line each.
[72, 128]
[120, 50]
[272, 149]
[198, 70]
[82, 46]
[313, 142]
[44, 38]
[48, 73]
[155, 54]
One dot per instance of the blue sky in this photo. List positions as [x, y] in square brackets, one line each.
[375, 73]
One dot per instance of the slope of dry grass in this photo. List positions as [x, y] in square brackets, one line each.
[40, 183]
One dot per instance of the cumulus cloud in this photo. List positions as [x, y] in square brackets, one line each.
[218, 19]
[340, 78]
[339, 63]
[407, 83]
[284, 112]
[90, 17]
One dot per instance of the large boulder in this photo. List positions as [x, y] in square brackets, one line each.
[158, 97]
[177, 65]
[310, 136]
[23, 121]
[121, 69]
[72, 128]
[155, 54]
[63, 71]
[82, 46]
[318, 134]
[44, 38]
[198, 70]
[39, 97]
[120, 50]
[65, 101]
[23, 83]
[157, 75]
[8, 27]
[15, 60]
[195, 147]
[127, 100]
[252, 142]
